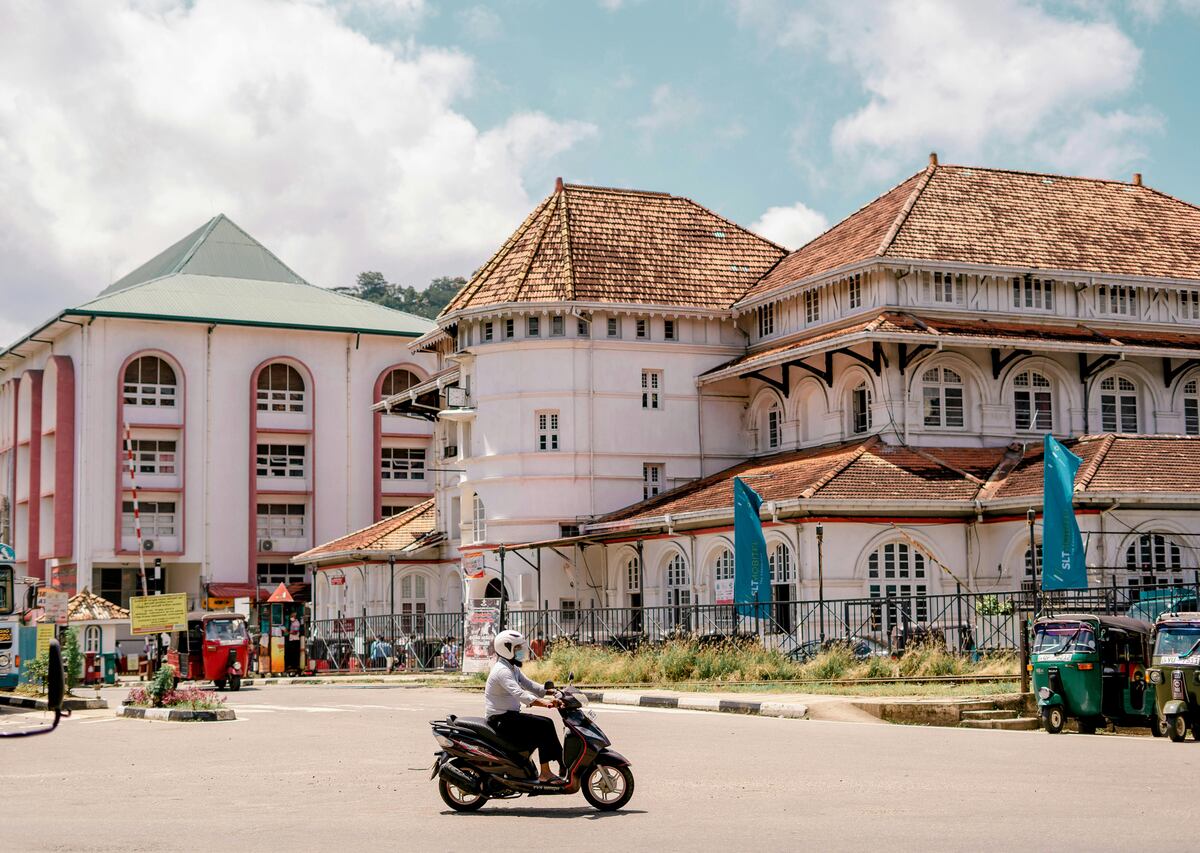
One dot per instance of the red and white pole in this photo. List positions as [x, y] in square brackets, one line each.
[137, 518]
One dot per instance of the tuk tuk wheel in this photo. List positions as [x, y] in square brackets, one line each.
[235, 682]
[1177, 728]
[1055, 719]
[1158, 726]
[220, 682]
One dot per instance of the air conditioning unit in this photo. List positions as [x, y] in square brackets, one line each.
[449, 451]
[266, 544]
[147, 544]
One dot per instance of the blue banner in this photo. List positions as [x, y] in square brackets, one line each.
[1063, 565]
[751, 575]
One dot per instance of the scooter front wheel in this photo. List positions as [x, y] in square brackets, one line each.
[608, 788]
[458, 799]
[1177, 727]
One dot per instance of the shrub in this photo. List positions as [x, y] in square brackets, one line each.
[190, 697]
[163, 683]
[37, 671]
[72, 656]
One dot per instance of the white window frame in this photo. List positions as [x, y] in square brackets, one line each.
[860, 408]
[1039, 399]
[1118, 397]
[1191, 407]
[1117, 300]
[546, 424]
[939, 386]
[643, 330]
[402, 463]
[558, 326]
[613, 327]
[766, 320]
[268, 398]
[389, 385]
[156, 394]
[478, 519]
[510, 328]
[653, 479]
[1032, 294]
[633, 575]
[280, 460]
[854, 291]
[533, 327]
[1189, 305]
[281, 521]
[773, 426]
[155, 455]
[159, 518]
[812, 307]
[947, 288]
[489, 331]
[652, 390]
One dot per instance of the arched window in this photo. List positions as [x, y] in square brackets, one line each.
[1153, 559]
[723, 576]
[478, 519]
[783, 585]
[1032, 402]
[1118, 405]
[412, 604]
[495, 590]
[896, 576]
[91, 639]
[633, 587]
[942, 396]
[679, 590]
[1191, 408]
[860, 408]
[1032, 570]
[280, 389]
[774, 427]
[396, 381]
[149, 381]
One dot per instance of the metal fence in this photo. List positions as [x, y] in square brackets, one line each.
[965, 622]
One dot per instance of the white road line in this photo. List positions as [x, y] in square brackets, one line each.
[99, 720]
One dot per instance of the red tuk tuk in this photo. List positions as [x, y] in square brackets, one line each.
[216, 647]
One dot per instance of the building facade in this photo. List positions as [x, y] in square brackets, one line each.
[241, 397]
[599, 382]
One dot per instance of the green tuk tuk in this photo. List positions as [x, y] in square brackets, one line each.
[1175, 673]
[1092, 669]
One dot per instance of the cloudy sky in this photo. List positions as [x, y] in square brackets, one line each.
[411, 136]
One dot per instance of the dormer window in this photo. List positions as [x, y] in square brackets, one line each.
[1031, 293]
[1118, 299]
[812, 306]
[1189, 304]
[947, 288]
[766, 320]
[855, 288]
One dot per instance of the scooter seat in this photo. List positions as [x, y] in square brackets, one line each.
[480, 726]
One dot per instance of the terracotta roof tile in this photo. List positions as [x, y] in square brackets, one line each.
[86, 606]
[391, 534]
[1023, 220]
[595, 244]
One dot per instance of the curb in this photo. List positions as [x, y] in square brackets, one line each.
[789, 710]
[70, 703]
[176, 715]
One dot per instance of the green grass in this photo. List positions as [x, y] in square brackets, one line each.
[688, 661]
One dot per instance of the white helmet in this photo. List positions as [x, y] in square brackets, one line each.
[507, 643]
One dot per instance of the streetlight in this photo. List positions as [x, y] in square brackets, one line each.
[821, 577]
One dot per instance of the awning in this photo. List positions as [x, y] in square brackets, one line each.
[298, 591]
[421, 400]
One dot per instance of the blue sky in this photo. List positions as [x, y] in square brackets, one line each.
[412, 136]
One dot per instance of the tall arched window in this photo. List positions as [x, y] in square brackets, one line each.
[412, 604]
[723, 576]
[91, 639]
[149, 381]
[774, 427]
[1118, 405]
[396, 381]
[942, 397]
[896, 576]
[632, 571]
[1153, 559]
[1191, 408]
[280, 389]
[783, 585]
[860, 408]
[478, 520]
[679, 591]
[1033, 408]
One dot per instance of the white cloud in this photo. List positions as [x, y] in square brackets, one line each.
[481, 23]
[669, 109]
[124, 125]
[976, 81]
[790, 227]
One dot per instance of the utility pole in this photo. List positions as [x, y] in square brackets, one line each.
[502, 589]
[821, 577]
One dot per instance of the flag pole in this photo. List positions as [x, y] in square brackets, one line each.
[1038, 577]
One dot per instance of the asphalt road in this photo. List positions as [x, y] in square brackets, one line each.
[346, 768]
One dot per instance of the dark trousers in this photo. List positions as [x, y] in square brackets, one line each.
[529, 732]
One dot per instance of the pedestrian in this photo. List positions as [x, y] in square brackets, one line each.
[294, 628]
[378, 659]
[410, 653]
[538, 646]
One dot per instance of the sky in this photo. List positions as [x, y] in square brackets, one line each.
[412, 136]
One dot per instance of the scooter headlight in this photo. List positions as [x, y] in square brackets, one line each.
[1045, 693]
[443, 742]
[1156, 676]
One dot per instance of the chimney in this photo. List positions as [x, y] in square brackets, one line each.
[558, 185]
[1137, 179]
[932, 158]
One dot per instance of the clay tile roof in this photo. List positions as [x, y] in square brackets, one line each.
[391, 534]
[891, 473]
[596, 244]
[86, 606]
[1004, 218]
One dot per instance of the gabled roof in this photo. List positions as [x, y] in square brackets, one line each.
[597, 244]
[999, 217]
[872, 473]
[86, 606]
[390, 535]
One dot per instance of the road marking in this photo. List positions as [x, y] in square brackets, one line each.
[99, 720]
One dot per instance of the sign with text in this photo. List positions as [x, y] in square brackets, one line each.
[483, 619]
[151, 614]
[54, 602]
[45, 633]
[337, 580]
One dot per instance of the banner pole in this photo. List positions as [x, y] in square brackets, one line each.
[1038, 578]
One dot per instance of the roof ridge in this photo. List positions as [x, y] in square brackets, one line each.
[902, 216]
[208, 229]
[1013, 456]
[1168, 196]
[566, 239]
[624, 190]
[537, 246]
[1089, 472]
[1034, 174]
[837, 469]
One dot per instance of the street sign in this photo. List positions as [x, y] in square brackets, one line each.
[7, 554]
[337, 580]
[218, 603]
[54, 602]
[151, 614]
[45, 633]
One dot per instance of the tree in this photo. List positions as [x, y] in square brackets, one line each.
[373, 287]
[72, 658]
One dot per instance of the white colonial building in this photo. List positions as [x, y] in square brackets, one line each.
[624, 354]
[246, 393]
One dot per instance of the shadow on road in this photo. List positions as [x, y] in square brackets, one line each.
[577, 811]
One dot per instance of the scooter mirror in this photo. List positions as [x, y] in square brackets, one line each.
[55, 681]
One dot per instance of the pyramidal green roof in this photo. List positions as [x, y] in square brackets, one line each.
[220, 274]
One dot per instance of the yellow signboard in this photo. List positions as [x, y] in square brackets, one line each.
[45, 633]
[219, 604]
[152, 614]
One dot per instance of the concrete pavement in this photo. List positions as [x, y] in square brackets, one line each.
[346, 767]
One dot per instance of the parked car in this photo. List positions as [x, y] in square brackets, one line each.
[863, 648]
[1152, 603]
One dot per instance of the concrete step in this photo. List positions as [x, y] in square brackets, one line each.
[990, 714]
[1017, 724]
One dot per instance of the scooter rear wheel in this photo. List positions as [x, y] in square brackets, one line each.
[458, 799]
[608, 788]
[235, 682]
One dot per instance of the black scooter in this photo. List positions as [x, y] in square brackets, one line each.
[476, 765]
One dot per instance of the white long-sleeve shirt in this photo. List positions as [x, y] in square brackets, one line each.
[508, 689]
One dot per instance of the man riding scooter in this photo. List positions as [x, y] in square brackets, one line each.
[507, 690]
